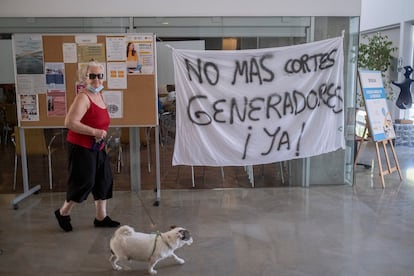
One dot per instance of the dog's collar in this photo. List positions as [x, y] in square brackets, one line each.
[166, 242]
[158, 234]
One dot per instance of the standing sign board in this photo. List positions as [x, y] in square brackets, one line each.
[379, 121]
[376, 105]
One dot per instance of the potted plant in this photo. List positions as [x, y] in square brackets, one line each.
[376, 55]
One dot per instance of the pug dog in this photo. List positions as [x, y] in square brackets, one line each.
[127, 244]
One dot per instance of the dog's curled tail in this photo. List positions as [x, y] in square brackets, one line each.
[125, 230]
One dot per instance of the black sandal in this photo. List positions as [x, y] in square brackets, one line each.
[106, 222]
[64, 221]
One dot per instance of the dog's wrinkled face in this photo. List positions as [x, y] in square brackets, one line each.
[183, 235]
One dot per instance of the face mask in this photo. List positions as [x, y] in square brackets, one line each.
[95, 90]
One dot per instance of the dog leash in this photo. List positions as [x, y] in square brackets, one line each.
[158, 234]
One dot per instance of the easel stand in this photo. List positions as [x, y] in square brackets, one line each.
[390, 169]
[387, 159]
[378, 121]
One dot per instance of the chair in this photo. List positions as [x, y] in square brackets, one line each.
[10, 121]
[249, 169]
[167, 136]
[119, 139]
[124, 140]
[35, 145]
[2, 120]
[193, 174]
[167, 127]
[361, 136]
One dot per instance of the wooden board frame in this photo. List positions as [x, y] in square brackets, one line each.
[140, 103]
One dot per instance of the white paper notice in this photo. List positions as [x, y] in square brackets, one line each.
[69, 53]
[29, 108]
[87, 38]
[31, 84]
[115, 48]
[117, 76]
[113, 100]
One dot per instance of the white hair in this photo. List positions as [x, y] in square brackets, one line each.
[94, 64]
[83, 74]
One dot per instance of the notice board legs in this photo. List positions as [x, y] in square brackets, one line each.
[26, 191]
[22, 196]
[136, 162]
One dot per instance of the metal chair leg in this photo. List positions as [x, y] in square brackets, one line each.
[147, 136]
[281, 172]
[49, 157]
[119, 162]
[250, 174]
[192, 176]
[15, 172]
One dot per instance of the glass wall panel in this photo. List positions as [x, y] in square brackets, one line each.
[243, 33]
[337, 167]
[252, 33]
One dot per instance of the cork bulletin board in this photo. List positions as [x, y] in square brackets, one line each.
[139, 97]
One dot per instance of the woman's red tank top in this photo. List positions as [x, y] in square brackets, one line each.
[95, 117]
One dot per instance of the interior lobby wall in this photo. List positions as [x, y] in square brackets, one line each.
[98, 8]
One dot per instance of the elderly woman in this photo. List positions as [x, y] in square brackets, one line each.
[89, 167]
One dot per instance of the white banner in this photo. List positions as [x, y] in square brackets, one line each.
[248, 107]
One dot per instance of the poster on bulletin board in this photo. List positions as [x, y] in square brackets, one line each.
[48, 68]
[375, 99]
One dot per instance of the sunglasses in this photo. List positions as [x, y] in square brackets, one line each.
[93, 76]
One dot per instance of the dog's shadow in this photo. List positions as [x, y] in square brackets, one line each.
[141, 268]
